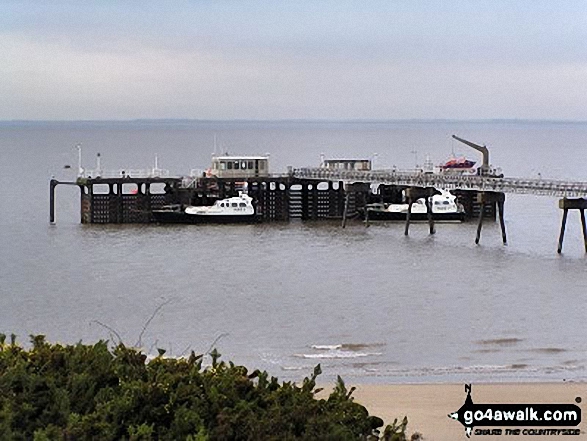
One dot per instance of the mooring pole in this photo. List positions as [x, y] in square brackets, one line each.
[481, 213]
[500, 206]
[366, 216]
[584, 228]
[562, 235]
[52, 184]
[408, 215]
[429, 206]
[346, 208]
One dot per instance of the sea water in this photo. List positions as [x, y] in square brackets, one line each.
[368, 304]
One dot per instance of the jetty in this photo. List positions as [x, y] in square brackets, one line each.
[329, 192]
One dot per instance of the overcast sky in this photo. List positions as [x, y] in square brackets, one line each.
[216, 59]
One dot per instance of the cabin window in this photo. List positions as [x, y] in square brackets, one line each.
[222, 205]
[244, 165]
[229, 164]
[261, 165]
[222, 165]
[242, 204]
[236, 165]
[251, 165]
[234, 204]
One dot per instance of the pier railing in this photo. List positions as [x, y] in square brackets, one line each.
[539, 186]
[126, 172]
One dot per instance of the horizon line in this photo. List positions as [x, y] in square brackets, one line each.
[296, 120]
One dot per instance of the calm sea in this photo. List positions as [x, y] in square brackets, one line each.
[367, 303]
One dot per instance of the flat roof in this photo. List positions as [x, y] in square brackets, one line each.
[346, 160]
[234, 158]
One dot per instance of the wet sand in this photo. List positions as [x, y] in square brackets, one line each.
[427, 405]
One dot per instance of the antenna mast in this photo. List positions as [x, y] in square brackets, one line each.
[80, 169]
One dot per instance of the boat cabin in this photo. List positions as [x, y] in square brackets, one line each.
[347, 164]
[240, 166]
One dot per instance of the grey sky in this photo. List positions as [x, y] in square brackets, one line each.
[286, 59]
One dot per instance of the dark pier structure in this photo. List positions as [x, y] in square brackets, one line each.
[277, 198]
[340, 189]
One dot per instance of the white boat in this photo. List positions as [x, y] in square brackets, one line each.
[231, 210]
[444, 207]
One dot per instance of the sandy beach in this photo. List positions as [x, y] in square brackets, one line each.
[427, 405]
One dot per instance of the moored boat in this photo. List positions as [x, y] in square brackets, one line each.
[444, 208]
[238, 209]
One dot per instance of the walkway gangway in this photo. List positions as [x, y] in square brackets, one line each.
[451, 181]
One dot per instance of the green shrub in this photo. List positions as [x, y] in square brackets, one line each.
[90, 392]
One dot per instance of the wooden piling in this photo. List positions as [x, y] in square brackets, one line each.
[346, 208]
[408, 215]
[481, 214]
[500, 206]
[52, 185]
[584, 228]
[562, 233]
[429, 206]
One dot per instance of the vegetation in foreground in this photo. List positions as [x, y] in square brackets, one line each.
[93, 392]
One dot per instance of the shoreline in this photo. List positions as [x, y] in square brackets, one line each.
[427, 405]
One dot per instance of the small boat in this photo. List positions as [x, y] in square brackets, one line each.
[238, 209]
[460, 164]
[444, 208]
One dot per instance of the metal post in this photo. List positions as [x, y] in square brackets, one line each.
[408, 215]
[481, 214]
[429, 206]
[52, 184]
[346, 208]
[500, 205]
[366, 216]
[584, 228]
[562, 235]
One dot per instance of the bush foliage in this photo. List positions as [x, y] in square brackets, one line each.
[93, 392]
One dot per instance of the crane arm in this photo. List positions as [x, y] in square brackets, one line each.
[480, 148]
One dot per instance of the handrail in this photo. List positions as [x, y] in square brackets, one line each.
[539, 186]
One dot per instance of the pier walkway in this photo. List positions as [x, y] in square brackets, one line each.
[537, 186]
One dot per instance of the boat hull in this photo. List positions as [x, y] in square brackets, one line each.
[173, 217]
[376, 215]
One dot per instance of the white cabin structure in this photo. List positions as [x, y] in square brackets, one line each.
[347, 164]
[239, 166]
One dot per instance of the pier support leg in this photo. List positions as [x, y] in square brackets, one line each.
[429, 210]
[500, 205]
[52, 185]
[408, 215]
[572, 204]
[562, 235]
[346, 209]
[584, 229]
[366, 217]
[481, 214]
